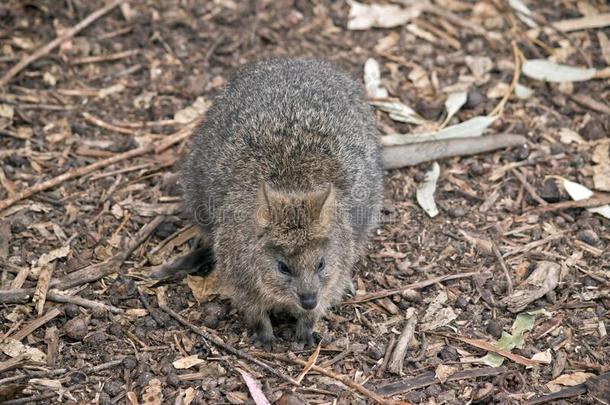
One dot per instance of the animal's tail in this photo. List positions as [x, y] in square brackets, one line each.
[200, 261]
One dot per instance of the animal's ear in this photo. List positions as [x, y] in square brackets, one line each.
[262, 208]
[323, 207]
[269, 202]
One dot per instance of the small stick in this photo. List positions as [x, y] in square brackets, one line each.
[156, 147]
[420, 284]
[58, 41]
[42, 287]
[103, 124]
[509, 281]
[595, 201]
[36, 323]
[12, 363]
[398, 356]
[499, 109]
[219, 342]
[386, 357]
[395, 157]
[530, 189]
[105, 58]
[51, 336]
[55, 296]
[339, 377]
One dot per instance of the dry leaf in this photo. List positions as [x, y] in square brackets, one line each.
[365, 16]
[425, 191]
[545, 70]
[567, 136]
[254, 386]
[153, 395]
[193, 112]
[14, 348]
[579, 192]
[372, 80]
[545, 357]
[187, 362]
[443, 372]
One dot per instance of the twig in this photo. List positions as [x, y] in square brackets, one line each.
[36, 323]
[499, 109]
[398, 356]
[509, 280]
[156, 147]
[104, 58]
[51, 337]
[595, 201]
[386, 357]
[103, 124]
[57, 41]
[530, 189]
[567, 392]
[485, 345]
[398, 156]
[12, 363]
[217, 341]
[83, 302]
[429, 378]
[42, 287]
[339, 377]
[420, 284]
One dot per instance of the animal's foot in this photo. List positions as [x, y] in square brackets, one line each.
[263, 337]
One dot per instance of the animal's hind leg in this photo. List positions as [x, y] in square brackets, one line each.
[260, 325]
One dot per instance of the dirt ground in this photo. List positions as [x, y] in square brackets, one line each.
[79, 321]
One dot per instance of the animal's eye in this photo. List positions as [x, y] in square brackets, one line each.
[321, 265]
[283, 268]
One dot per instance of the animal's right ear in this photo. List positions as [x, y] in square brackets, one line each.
[262, 209]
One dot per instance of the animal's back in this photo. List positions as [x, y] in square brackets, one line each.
[293, 123]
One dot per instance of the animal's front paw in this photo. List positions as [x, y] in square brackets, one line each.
[303, 339]
[263, 337]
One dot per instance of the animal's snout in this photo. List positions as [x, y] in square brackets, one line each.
[309, 300]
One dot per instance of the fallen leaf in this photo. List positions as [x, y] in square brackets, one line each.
[187, 362]
[473, 127]
[372, 80]
[7, 111]
[524, 322]
[254, 386]
[523, 12]
[153, 395]
[579, 192]
[567, 136]
[482, 344]
[572, 379]
[365, 16]
[398, 111]
[45, 382]
[437, 314]
[443, 372]
[117, 88]
[310, 363]
[480, 66]
[425, 191]
[545, 70]
[205, 287]
[454, 102]
[193, 112]
[13, 348]
[545, 357]
[522, 92]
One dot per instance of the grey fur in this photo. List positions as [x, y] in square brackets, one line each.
[285, 166]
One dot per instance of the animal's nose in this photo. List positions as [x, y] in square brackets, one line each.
[309, 300]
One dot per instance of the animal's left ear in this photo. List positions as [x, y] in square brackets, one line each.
[323, 207]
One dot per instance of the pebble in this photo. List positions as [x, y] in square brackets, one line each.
[461, 302]
[96, 338]
[593, 130]
[129, 362]
[211, 321]
[457, 212]
[104, 399]
[172, 379]
[475, 98]
[588, 236]
[375, 351]
[76, 328]
[144, 378]
[449, 353]
[113, 387]
[550, 191]
[115, 329]
[71, 310]
[494, 328]
[291, 399]
[99, 313]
